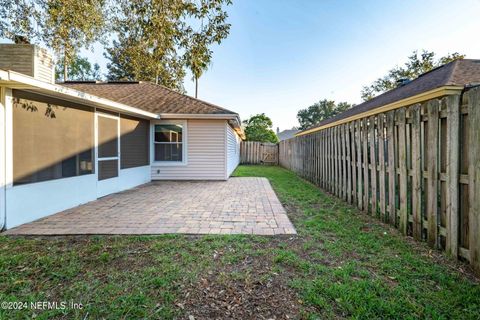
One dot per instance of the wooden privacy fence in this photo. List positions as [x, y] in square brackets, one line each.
[417, 168]
[254, 152]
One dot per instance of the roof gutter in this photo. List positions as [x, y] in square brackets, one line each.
[17, 80]
[225, 116]
[424, 96]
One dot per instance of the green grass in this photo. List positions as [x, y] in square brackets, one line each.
[342, 264]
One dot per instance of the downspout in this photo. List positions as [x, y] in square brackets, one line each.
[4, 169]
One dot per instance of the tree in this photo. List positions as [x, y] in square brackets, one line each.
[19, 18]
[158, 40]
[79, 69]
[64, 26]
[120, 66]
[71, 25]
[198, 54]
[259, 128]
[416, 65]
[319, 111]
[149, 32]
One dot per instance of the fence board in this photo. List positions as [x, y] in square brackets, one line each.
[366, 180]
[354, 163]
[253, 152]
[373, 162]
[391, 167]
[432, 167]
[416, 173]
[417, 167]
[335, 161]
[402, 158]
[381, 162]
[359, 165]
[474, 177]
[453, 130]
[343, 140]
[348, 162]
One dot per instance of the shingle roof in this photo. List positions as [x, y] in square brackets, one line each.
[287, 134]
[148, 96]
[456, 73]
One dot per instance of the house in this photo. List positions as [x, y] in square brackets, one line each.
[286, 134]
[70, 143]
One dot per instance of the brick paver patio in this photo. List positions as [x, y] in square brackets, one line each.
[235, 206]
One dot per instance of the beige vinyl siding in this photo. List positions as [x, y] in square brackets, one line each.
[43, 65]
[233, 149]
[28, 59]
[18, 58]
[205, 152]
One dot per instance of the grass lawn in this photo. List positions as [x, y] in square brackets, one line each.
[342, 264]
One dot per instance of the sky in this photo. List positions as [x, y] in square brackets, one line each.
[282, 56]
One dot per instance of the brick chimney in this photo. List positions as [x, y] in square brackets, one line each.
[28, 59]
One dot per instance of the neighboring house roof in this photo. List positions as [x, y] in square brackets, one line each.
[287, 134]
[458, 73]
[148, 96]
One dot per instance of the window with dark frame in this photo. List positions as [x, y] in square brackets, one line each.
[168, 141]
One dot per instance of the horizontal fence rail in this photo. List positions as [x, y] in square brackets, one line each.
[417, 168]
[254, 152]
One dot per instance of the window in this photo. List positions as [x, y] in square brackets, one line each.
[168, 141]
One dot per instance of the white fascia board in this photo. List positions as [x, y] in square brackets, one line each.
[198, 116]
[4, 75]
[29, 83]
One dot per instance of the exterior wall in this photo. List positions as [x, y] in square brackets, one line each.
[31, 201]
[3, 102]
[233, 150]
[205, 156]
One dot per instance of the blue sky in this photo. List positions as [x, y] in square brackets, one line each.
[282, 56]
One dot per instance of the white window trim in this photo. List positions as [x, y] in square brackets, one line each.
[184, 161]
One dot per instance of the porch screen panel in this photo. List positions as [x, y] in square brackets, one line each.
[107, 169]
[107, 137]
[134, 142]
[52, 138]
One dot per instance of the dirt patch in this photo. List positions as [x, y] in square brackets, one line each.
[250, 289]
